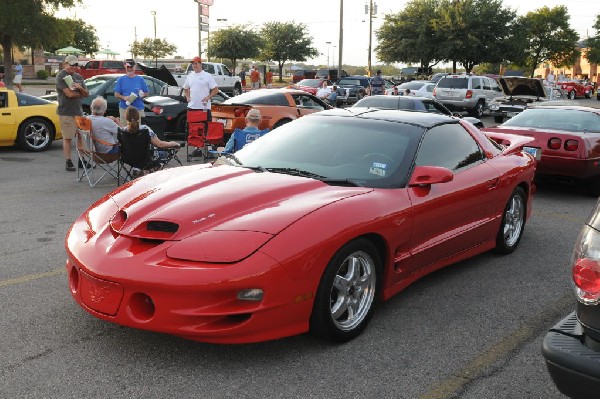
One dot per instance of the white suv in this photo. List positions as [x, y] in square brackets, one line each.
[469, 93]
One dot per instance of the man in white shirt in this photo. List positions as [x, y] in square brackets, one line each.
[199, 88]
[324, 91]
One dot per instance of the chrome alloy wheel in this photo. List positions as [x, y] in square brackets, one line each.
[37, 135]
[514, 216]
[353, 291]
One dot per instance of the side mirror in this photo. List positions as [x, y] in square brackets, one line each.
[428, 175]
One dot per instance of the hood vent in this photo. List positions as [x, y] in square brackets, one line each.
[165, 227]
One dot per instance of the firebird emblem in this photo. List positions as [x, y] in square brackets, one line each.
[202, 219]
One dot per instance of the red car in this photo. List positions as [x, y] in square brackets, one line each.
[311, 86]
[577, 88]
[569, 137]
[302, 230]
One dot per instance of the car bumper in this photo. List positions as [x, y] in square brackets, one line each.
[573, 366]
[458, 105]
[193, 300]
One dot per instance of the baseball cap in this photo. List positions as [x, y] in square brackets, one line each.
[71, 60]
[129, 62]
[196, 59]
[378, 71]
[254, 115]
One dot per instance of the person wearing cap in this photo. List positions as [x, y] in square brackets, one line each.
[130, 88]
[70, 90]
[377, 84]
[240, 138]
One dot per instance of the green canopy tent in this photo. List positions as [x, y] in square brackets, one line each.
[69, 50]
[108, 52]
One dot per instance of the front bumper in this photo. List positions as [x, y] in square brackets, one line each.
[573, 366]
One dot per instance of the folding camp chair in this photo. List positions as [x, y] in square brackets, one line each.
[203, 135]
[137, 155]
[89, 158]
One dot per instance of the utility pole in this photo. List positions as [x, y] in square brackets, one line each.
[155, 56]
[371, 9]
[341, 43]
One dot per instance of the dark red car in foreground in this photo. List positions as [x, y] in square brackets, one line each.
[302, 230]
[569, 137]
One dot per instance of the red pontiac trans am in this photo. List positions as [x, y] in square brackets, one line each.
[303, 230]
[569, 139]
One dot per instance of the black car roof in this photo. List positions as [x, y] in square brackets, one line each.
[424, 119]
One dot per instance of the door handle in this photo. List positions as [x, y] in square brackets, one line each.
[6, 114]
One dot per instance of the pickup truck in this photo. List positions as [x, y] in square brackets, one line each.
[577, 88]
[232, 85]
[103, 67]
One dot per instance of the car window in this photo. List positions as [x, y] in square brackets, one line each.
[435, 107]
[453, 83]
[556, 119]
[24, 100]
[486, 84]
[460, 150]
[387, 102]
[349, 82]
[114, 65]
[476, 84]
[208, 68]
[92, 65]
[495, 86]
[306, 102]
[93, 85]
[3, 99]
[153, 88]
[225, 70]
[411, 85]
[260, 97]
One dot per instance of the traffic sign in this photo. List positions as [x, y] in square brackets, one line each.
[204, 19]
[205, 2]
[204, 28]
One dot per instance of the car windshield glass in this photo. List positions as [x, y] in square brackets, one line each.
[453, 83]
[93, 85]
[556, 119]
[310, 82]
[349, 82]
[26, 99]
[388, 102]
[264, 97]
[411, 85]
[371, 153]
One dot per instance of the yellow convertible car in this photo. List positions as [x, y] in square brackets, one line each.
[27, 121]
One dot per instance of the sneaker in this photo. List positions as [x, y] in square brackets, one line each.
[70, 167]
[135, 172]
[80, 164]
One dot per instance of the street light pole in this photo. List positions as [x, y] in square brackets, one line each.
[155, 57]
[328, 46]
[341, 38]
[370, 35]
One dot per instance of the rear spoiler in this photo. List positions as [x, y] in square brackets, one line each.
[514, 143]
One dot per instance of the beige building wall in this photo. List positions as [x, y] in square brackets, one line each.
[582, 69]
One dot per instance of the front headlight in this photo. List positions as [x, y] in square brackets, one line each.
[494, 106]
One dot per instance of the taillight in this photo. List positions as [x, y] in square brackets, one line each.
[586, 266]
[586, 276]
[469, 94]
[554, 143]
[240, 112]
[571, 145]
[434, 91]
[157, 110]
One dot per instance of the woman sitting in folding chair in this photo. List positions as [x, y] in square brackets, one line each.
[139, 146]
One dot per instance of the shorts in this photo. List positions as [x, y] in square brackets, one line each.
[122, 115]
[17, 79]
[256, 85]
[67, 126]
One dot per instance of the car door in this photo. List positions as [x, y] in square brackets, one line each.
[112, 102]
[452, 217]
[7, 119]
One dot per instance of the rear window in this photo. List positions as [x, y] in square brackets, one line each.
[453, 83]
[388, 102]
[113, 65]
[259, 98]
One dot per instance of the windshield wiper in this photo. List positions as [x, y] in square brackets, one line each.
[232, 157]
[296, 172]
[342, 182]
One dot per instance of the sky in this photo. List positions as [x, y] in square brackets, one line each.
[119, 23]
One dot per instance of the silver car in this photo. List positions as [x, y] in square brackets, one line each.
[469, 93]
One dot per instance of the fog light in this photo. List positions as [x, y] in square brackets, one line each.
[252, 294]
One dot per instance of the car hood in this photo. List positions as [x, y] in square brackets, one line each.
[520, 86]
[220, 203]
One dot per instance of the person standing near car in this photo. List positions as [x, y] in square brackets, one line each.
[199, 87]
[255, 78]
[377, 84]
[130, 89]
[18, 68]
[70, 90]
[242, 76]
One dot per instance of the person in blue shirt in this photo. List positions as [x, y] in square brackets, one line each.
[332, 97]
[130, 89]
[17, 81]
[240, 138]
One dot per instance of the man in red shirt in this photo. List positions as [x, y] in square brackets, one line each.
[269, 79]
[255, 77]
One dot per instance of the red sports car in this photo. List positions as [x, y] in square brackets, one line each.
[569, 138]
[302, 230]
[311, 86]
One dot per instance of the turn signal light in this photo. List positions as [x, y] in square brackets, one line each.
[571, 145]
[554, 143]
[586, 276]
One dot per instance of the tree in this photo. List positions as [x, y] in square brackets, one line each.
[153, 48]
[475, 31]
[547, 37]
[234, 43]
[85, 37]
[593, 44]
[17, 17]
[409, 36]
[286, 41]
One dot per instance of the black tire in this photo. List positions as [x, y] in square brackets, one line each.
[237, 90]
[35, 134]
[513, 222]
[592, 186]
[346, 296]
[477, 112]
[281, 122]
[498, 118]
[571, 95]
[181, 123]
